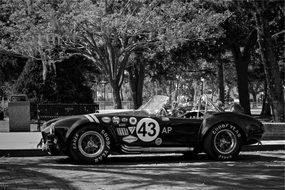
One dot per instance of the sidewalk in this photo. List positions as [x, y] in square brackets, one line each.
[20, 144]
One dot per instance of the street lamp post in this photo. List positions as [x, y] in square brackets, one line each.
[202, 85]
[104, 91]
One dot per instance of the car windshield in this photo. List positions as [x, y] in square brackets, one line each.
[154, 104]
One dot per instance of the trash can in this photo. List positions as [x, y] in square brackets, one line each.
[19, 113]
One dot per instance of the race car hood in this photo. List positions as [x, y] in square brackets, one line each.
[67, 119]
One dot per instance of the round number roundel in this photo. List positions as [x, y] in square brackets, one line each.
[147, 129]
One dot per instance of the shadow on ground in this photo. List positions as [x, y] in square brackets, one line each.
[256, 170]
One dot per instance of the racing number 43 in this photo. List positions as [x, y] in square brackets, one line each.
[147, 129]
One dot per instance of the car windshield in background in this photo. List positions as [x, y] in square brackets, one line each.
[154, 104]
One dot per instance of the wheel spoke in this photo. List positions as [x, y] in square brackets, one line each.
[91, 144]
[225, 141]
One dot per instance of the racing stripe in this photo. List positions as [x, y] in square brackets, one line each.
[89, 118]
[95, 118]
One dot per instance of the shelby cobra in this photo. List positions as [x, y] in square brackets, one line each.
[151, 129]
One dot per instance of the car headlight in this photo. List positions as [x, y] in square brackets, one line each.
[43, 126]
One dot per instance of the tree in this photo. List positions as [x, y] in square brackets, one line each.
[30, 82]
[106, 32]
[68, 86]
[240, 39]
[136, 72]
[182, 68]
[11, 66]
[269, 16]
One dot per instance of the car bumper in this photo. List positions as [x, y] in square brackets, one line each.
[50, 143]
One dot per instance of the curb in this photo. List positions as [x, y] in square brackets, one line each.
[267, 147]
[23, 153]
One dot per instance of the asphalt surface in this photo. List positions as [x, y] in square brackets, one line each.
[251, 170]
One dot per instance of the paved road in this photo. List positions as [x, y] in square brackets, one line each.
[253, 170]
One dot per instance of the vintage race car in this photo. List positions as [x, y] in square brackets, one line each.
[152, 129]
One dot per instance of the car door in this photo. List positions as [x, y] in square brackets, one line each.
[152, 131]
[180, 131]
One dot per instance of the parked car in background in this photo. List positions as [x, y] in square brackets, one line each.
[152, 129]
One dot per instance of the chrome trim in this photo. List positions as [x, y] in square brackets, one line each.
[138, 149]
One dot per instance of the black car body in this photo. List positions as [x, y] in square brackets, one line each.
[151, 129]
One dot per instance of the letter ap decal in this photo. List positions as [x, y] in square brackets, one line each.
[147, 129]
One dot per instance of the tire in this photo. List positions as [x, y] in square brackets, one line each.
[90, 144]
[223, 142]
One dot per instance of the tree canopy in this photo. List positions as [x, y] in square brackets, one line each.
[106, 32]
[68, 85]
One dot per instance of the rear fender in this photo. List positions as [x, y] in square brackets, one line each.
[209, 122]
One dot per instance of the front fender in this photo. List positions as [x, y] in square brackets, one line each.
[84, 121]
[76, 125]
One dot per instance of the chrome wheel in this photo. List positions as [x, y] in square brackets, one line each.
[225, 141]
[91, 144]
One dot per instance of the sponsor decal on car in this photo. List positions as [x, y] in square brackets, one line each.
[147, 129]
[133, 120]
[166, 130]
[116, 120]
[130, 139]
[124, 120]
[122, 131]
[131, 129]
[158, 141]
[106, 119]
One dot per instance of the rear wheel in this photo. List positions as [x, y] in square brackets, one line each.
[90, 144]
[223, 142]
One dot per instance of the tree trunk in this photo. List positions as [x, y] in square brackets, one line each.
[221, 82]
[136, 76]
[265, 102]
[253, 92]
[265, 107]
[275, 89]
[241, 64]
[116, 96]
[228, 94]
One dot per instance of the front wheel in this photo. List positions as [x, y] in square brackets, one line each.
[223, 142]
[90, 144]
